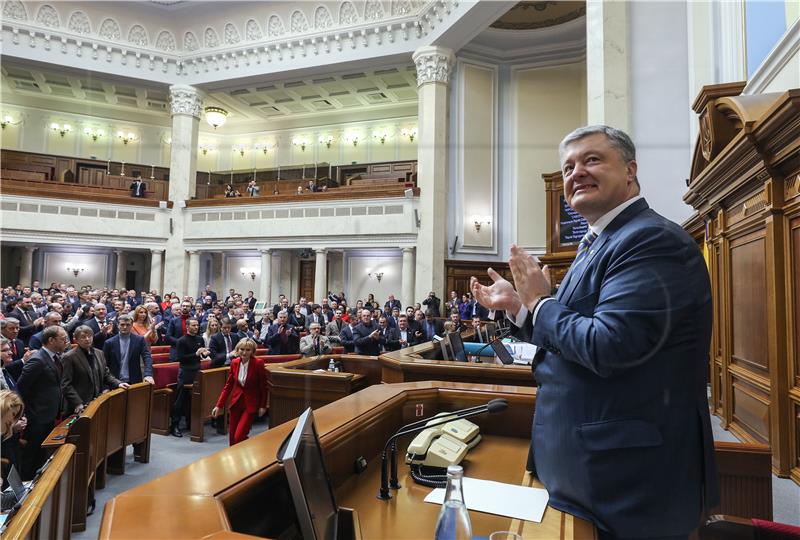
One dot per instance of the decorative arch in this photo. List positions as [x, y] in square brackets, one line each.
[79, 23]
[190, 42]
[138, 35]
[252, 31]
[14, 9]
[166, 41]
[231, 34]
[109, 29]
[275, 27]
[404, 7]
[299, 23]
[322, 18]
[48, 16]
[373, 10]
[347, 14]
[210, 38]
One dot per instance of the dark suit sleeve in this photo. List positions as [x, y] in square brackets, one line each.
[30, 372]
[344, 340]
[213, 350]
[170, 337]
[360, 339]
[109, 381]
[648, 287]
[70, 394]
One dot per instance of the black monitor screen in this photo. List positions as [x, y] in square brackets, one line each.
[502, 353]
[457, 346]
[309, 483]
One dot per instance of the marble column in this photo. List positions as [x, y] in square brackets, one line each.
[607, 70]
[321, 275]
[185, 107]
[122, 263]
[26, 268]
[434, 65]
[407, 291]
[265, 287]
[156, 270]
[217, 279]
[193, 279]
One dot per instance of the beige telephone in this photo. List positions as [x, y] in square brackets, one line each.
[443, 445]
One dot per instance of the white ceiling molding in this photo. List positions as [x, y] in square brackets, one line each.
[776, 60]
[395, 31]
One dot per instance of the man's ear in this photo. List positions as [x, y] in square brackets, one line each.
[631, 169]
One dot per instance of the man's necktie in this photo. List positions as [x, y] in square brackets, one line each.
[583, 247]
[227, 344]
[57, 361]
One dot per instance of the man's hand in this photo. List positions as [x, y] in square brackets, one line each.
[375, 335]
[79, 409]
[39, 321]
[149, 380]
[124, 385]
[498, 295]
[107, 329]
[528, 277]
[28, 354]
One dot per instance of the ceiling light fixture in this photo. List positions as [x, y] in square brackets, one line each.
[216, 116]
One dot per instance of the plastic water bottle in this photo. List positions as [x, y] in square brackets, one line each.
[331, 366]
[453, 523]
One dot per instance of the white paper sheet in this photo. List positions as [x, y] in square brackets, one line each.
[508, 500]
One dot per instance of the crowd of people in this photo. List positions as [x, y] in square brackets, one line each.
[63, 346]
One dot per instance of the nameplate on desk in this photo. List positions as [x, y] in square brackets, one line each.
[518, 502]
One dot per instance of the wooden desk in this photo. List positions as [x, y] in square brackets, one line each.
[244, 490]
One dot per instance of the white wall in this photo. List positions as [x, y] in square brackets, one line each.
[97, 265]
[359, 284]
[659, 72]
[234, 278]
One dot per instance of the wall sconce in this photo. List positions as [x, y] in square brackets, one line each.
[239, 148]
[206, 148]
[409, 133]
[75, 268]
[302, 142]
[166, 140]
[8, 120]
[326, 140]
[126, 137]
[216, 116]
[248, 272]
[94, 133]
[481, 220]
[264, 147]
[378, 275]
[381, 135]
[352, 138]
[61, 130]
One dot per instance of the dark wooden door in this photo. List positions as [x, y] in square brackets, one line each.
[307, 269]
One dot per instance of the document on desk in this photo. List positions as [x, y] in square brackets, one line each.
[519, 502]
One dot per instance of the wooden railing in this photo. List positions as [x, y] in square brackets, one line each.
[354, 192]
[46, 511]
[77, 192]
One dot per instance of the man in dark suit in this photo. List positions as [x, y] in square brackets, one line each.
[431, 327]
[250, 300]
[222, 344]
[405, 336]
[52, 318]
[9, 328]
[392, 303]
[176, 328]
[29, 322]
[389, 338]
[282, 338]
[127, 355]
[101, 326]
[138, 187]
[367, 335]
[85, 375]
[40, 388]
[315, 317]
[621, 434]
[211, 293]
[432, 303]
[346, 337]
[296, 317]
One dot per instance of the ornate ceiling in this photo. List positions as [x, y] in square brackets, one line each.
[535, 15]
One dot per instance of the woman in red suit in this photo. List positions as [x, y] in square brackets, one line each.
[247, 388]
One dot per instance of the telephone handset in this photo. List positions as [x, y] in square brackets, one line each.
[443, 445]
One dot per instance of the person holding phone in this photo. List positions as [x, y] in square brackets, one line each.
[247, 389]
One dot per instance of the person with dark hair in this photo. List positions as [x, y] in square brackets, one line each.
[138, 187]
[126, 354]
[432, 303]
[85, 373]
[282, 337]
[190, 350]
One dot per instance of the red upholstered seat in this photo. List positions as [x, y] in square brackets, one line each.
[157, 349]
[165, 374]
[338, 350]
[160, 358]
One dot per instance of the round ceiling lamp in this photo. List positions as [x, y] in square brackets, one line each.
[216, 116]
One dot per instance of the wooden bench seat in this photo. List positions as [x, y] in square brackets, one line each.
[16, 174]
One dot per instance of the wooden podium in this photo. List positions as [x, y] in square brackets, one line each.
[242, 491]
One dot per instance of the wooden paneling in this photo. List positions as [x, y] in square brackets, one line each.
[745, 188]
[307, 280]
[458, 274]
[748, 309]
[745, 477]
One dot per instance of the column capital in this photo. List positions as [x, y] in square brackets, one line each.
[156, 251]
[119, 252]
[321, 251]
[193, 252]
[31, 248]
[408, 249]
[265, 251]
[434, 64]
[185, 100]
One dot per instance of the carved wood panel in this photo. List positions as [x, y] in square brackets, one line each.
[748, 307]
[750, 410]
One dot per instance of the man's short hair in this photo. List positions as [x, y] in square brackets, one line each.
[283, 312]
[51, 315]
[9, 321]
[125, 317]
[313, 325]
[49, 333]
[618, 139]
[81, 330]
[225, 320]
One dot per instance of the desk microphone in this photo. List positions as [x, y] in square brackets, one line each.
[501, 335]
[493, 406]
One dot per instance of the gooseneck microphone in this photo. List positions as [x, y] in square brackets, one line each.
[493, 406]
[501, 335]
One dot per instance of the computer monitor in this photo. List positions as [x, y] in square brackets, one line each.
[444, 345]
[309, 483]
[490, 329]
[457, 346]
[501, 352]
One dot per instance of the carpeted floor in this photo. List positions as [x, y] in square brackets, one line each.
[170, 453]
